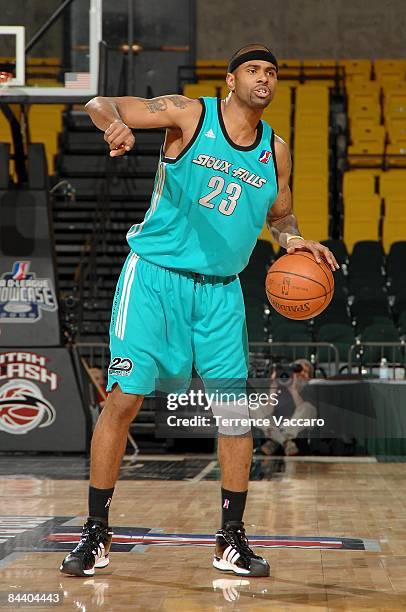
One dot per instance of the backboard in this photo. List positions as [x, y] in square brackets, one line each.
[63, 65]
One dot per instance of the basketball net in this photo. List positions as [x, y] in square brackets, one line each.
[5, 78]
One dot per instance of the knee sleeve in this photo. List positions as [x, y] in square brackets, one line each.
[232, 419]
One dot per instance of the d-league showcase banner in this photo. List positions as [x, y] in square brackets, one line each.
[28, 303]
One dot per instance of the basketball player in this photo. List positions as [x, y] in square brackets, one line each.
[222, 172]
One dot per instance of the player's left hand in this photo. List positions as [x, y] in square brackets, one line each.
[319, 251]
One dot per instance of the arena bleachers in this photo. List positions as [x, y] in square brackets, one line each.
[376, 101]
[376, 104]
[91, 228]
[311, 169]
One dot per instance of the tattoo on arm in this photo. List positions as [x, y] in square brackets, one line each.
[286, 224]
[156, 105]
[280, 228]
[284, 198]
[161, 104]
[180, 102]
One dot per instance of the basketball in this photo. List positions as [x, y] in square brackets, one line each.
[298, 287]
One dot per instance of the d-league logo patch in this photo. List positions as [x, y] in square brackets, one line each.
[265, 156]
[23, 296]
[120, 366]
[20, 270]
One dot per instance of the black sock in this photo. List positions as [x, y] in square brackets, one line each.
[99, 503]
[232, 505]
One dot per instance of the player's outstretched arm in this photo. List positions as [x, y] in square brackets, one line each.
[116, 116]
[282, 222]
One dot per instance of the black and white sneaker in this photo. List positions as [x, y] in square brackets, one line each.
[233, 553]
[91, 552]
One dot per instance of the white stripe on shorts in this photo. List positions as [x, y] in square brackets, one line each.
[125, 296]
[125, 282]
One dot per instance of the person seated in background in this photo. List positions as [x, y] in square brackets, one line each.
[289, 383]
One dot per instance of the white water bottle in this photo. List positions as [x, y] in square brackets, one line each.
[383, 369]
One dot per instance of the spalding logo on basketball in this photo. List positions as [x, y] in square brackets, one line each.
[298, 287]
[23, 407]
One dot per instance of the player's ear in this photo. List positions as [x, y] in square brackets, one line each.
[230, 80]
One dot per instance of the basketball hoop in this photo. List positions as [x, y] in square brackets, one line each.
[5, 78]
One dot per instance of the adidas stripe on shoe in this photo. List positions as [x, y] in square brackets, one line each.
[91, 552]
[233, 554]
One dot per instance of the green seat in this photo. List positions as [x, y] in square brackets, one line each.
[402, 322]
[263, 252]
[256, 321]
[400, 301]
[276, 316]
[284, 331]
[381, 332]
[338, 248]
[252, 280]
[396, 264]
[253, 291]
[292, 331]
[367, 320]
[339, 334]
[253, 275]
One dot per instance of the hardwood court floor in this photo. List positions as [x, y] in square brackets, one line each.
[355, 500]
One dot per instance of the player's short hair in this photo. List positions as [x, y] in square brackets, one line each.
[250, 47]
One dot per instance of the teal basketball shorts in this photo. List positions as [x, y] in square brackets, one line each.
[165, 321]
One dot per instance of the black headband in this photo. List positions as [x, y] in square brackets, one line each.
[257, 54]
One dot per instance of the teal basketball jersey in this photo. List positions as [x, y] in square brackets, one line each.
[210, 203]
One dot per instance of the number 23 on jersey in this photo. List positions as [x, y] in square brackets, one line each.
[228, 204]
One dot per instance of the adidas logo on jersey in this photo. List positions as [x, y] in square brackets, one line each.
[210, 134]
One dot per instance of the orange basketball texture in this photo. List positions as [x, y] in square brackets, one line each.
[298, 287]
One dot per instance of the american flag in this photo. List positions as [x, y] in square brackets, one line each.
[77, 80]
